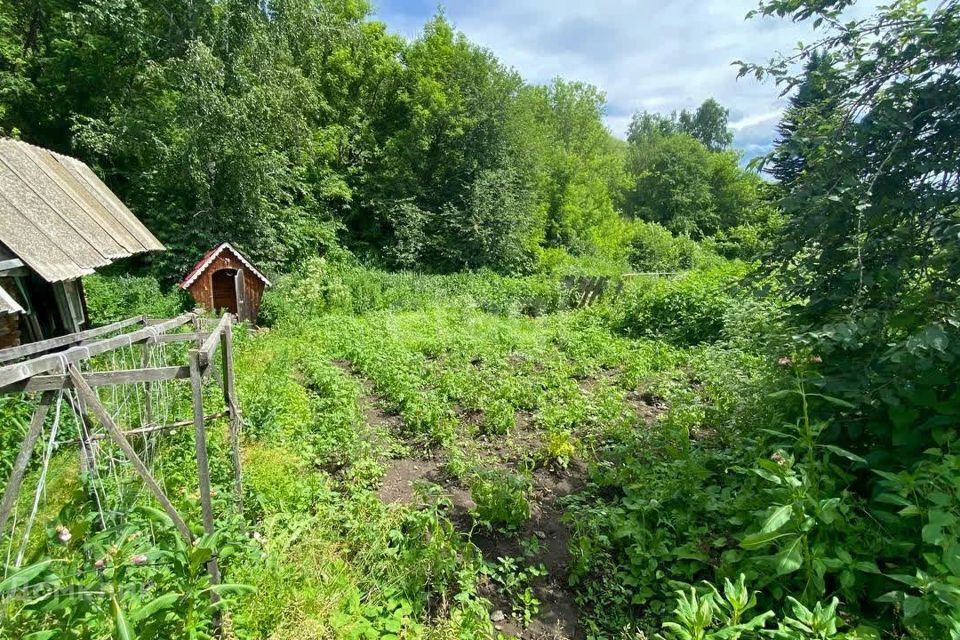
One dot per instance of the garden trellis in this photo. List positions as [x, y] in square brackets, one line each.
[137, 387]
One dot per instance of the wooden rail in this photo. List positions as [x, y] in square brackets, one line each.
[97, 379]
[33, 348]
[13, 373]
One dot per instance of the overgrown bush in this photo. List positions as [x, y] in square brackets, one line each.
[112, 298]
[686, 310]
[654, 248]
[501, 499]
[323, 287]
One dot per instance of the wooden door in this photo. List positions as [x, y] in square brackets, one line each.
[240, 290]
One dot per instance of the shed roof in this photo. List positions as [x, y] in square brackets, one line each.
[7, 304]
[59, 218]
[210, 256]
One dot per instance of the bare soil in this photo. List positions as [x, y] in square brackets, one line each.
[557, 617]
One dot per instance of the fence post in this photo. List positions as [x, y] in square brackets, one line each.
[203, 471]
[230, 397]
[23, 458]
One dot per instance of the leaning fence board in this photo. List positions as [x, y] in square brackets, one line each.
[230, 398]
[23, 459]
[93, 403]
[203, 469]
[156, 428]
[23, 370]
[33, 348]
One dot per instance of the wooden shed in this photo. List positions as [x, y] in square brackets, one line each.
[58, 223]
[224, 280]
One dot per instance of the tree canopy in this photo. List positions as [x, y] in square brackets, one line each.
[299, 126]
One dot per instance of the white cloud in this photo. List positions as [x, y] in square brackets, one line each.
[645, 54]
[756, 119]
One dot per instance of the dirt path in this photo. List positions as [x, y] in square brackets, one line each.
[557, 617]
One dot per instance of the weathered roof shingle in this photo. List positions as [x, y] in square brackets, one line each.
[59, 218]
[7, 304]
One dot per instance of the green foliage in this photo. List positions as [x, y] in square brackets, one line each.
[560, 448]
[67, 596]
[687, 309]
[113, 298]
[577, 167]
[516, 581]
[500, 499]
[710, 616]
[808, 451]
[654, 249]
[15, 413]
[677, 182]
[868, 226]
[425, 153]
[927, 497]
[322, 286]
[708, 124]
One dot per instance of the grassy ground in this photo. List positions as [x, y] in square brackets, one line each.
[475, 425]
[436, 458]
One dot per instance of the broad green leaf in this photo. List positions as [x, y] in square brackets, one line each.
[122, 627]
[843, 453]
[24, 576]
[790, 558]
[780, 516]
[157, 604]
[231, 589]
[833, 400]
[760, 539]
[912, 606]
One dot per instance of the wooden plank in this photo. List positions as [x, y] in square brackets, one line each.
[203, 467]
[33, 348]
[92, 403]
[154, 428]
[147, 386]
[23, 458]
[182, 337]
[22, 370]
[209, 347]
[230, 398]
[54, 382]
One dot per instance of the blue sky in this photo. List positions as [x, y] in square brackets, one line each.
[656, 55]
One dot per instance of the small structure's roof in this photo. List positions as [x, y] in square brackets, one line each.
[210, 256]
[8, 305]
[59, 218]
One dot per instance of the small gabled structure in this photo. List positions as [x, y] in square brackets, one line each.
[224, 280]
[58, 223]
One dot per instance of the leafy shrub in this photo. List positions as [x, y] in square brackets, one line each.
[315, 289]
[113, 298]
[743, 242]
[560, 448]
[654, 248]
[501, 499]
[685, 310]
